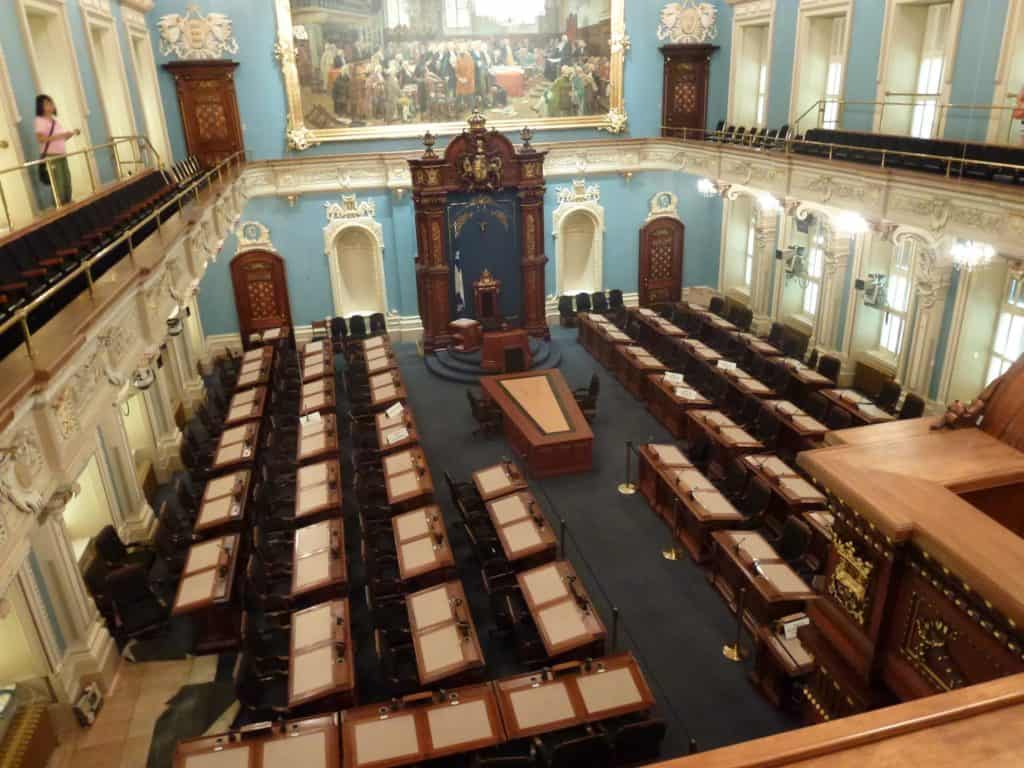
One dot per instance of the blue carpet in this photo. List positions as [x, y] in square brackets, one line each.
[669, 616]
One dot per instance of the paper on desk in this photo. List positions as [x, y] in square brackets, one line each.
[394, 410]
[673, 378]
[398, 436]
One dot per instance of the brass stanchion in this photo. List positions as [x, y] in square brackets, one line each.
[628, 488]
[734, 652]
[674, 552]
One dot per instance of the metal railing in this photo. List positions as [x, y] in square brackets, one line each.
[942, 113]
[787, 145]
[140, 154]
[21, 316]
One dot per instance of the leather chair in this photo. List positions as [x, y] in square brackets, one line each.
[117, 554]
[599, 301]
[397, 664]
[570, 749]
[912, 408]
[776, 335]
[261, 690]
[586, 397]
[717, 306]
[615, 300]
[488, 420]
[817, 406]
[638, 743]
[889, 396]
[838, 418]
[754, 503]
[698, 451]
[138, 610]
[339, 333]
[378, 325]
[357, 327]
[812, 360]
[793, 546]
[583, 302]
[768, 428]
[829, 366]
[734, 486]
[566, 312]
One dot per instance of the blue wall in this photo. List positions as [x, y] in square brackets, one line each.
[12, 41]
[783, 55]
[297, 233]
[975, 71]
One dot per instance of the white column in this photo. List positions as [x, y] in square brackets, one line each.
[139, 519]
[168, 436]
[918, 360]
[766, 231]
[826, 322]
[861, 245]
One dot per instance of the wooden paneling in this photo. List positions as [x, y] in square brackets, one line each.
[684, 103]
[661, 261]
[209, 108]
[261, 292]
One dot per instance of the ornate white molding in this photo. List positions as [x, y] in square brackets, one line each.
[580, 199]
[193, 36]
[688, 21]
[663, 204]
[360, 214]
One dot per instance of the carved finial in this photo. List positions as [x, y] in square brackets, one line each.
[428, 142]
[477, 122]
[526, 134]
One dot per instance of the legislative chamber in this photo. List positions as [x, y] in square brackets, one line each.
[468, 384]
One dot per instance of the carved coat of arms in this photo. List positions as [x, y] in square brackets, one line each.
[688, 22]
[193, 36]
[480, 170]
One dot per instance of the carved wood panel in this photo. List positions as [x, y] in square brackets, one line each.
[261, 292]
[209, 108]
[685, 87]
[661, 261]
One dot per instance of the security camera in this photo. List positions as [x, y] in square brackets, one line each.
[174, 326]
[143, 378]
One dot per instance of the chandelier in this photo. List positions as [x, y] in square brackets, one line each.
[969, 254]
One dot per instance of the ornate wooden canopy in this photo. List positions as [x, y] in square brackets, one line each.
[477, 160]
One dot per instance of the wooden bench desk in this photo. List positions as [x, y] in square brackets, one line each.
[236, 448]
[245, 406]
[319, 570]
[397, 431]
[321, 666]
[424, 551]
[443, 633]
[224, 504]
[499, 480]
[407, 479]
[565, 616]
[526, 538]
[318, 439]
[205, 592]
[858, 405]
[668, 401]
[308, 743]
[318, 491]
[728, 440]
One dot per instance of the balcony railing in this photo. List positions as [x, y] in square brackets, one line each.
[835, 108]
[127, 155]
[178, 200]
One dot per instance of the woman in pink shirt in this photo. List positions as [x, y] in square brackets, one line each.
[51, 136]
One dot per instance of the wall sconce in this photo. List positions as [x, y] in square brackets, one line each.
[292, 199]
[627, 175]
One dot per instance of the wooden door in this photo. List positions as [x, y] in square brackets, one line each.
[209, 108]
[261, 292]
[684, 102]
[661, 260]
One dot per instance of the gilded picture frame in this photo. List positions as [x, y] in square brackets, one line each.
[301, 134]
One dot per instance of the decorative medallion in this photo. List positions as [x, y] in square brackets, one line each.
[252, 236]
[849, 581]
[478, 168]
[663, 204]
[688, 22]
[193, 36]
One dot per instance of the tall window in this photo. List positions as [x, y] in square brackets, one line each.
[397, 13]
[815, 270]
[834, 78]
[762, 91]
[748, 263]
[456, 14]
[1008, 343]
[929, 73]
[897, 297]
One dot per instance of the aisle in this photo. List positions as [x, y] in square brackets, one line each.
[677, 623]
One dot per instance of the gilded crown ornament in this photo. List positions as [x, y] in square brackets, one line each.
[526, 134]
[428, 142]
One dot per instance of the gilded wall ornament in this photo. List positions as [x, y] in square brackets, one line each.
[193, 36]
[688, 22]
[850, 581]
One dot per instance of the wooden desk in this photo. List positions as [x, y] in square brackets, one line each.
[698, 350]
[757, 345]
[424, 550]
[258, 354]
[496, 343]
[224, 503]
[321, 666]
[466, 334]
[668, 401]
[499, 480]
[375, 342]
[801, 431]
[887, 432]
[318, 401]
[388, 393]
[381, 360]
[309, 743]
[254, 374]
[318, 439]
[318, 365]
[205, 592]
[672, 486]
[319, 571]
[407, 479]
[565, 617]
[396, 432]
[634, 367]
[444, 637]
[236, 448]
[606, 338]
[246, 406]
[784, 480]
[526, 538]
[745, 560]
[543, 424]
[728, 440]
[318, 491]
[742, 381]
[270, 336]
[859, 406]
[572, 694]
[780, 662]
[316, 348]
[805, 380]
[464, 720]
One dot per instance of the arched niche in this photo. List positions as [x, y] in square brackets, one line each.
[354, 244]
[578, 229]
